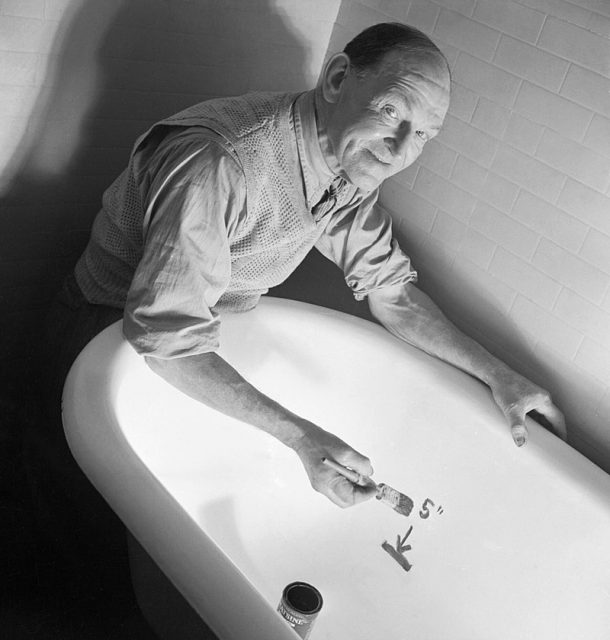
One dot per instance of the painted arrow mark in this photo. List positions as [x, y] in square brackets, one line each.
[401, 548]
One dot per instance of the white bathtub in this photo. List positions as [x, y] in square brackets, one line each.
[520, 550]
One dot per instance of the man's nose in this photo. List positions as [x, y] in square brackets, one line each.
[399, 141]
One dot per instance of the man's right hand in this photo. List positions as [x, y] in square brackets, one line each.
[317, 444]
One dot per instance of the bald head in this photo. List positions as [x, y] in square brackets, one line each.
[380, 101]
[370, 48]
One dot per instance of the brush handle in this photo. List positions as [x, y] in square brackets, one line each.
[346, 472]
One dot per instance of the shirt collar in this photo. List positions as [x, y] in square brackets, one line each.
[317, 175]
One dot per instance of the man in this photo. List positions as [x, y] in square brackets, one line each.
[223, 201]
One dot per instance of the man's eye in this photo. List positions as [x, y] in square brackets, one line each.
[422, 135]
[391, 112]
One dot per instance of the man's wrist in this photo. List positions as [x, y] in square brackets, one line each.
[295, 433]
[497, 374]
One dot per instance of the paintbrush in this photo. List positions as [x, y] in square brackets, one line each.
[398, 501]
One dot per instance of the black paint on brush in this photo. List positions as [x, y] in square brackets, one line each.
[398, 501]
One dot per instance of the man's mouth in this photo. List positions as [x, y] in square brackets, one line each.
[378, 158]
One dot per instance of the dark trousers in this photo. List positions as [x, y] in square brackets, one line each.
[75, 521]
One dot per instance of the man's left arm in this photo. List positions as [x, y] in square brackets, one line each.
[408, 313]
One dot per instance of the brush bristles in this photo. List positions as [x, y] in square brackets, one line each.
[398, 501]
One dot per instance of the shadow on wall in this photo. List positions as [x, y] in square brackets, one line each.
[115, 68]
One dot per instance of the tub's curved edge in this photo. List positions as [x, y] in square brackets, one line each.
[231, 606]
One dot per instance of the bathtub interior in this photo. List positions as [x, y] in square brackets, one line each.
[515, 543]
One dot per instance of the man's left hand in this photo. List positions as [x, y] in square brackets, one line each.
[517, 396]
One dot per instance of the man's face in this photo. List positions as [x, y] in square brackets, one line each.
[383, 119]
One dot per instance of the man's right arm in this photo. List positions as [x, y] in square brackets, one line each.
[194, 194]
[209, 379]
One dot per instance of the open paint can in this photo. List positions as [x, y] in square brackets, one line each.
[299, 606]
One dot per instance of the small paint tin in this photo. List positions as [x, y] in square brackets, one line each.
[299, 606]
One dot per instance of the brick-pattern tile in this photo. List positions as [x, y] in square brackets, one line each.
[543, 326]
[597, 137]
[469, 175]
[571, 270]
[466, 34]
[597, 6]
[478, 249]
[499, 192]
[474, 144]
[525, 278]
[439, 158]
[465, 7]
[449, 51]
[407, 176]
[571, 387]
[529, 62]
[553, 111]
[576, 44]
[533, 175]
[463, 102]
[523, 134]
[595, 358]
[411, 239]
[550, 222]
[511, 18]
[605, 306]
[586, 204]
[583, 315]
[574, 160]
[444, 194]
[486, 80]
[449, 230]
[588, 89]
[491, 117]
[568, 11]
[405, 204]
[476, 274]
[596, 250]
[502, 229]
[423, 15]
[356, 16]
[599, 24]
[437, 253]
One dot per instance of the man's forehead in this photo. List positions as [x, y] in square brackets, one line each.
[415, 69]
[416, 80]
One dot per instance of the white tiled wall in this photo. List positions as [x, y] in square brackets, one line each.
[81, 79]
[507, 212]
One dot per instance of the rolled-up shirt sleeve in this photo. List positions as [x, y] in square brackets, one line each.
[194, 194]
[359, 240]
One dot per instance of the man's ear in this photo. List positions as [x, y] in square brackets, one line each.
[333, 76]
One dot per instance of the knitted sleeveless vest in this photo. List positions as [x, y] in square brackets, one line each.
[278, 230]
